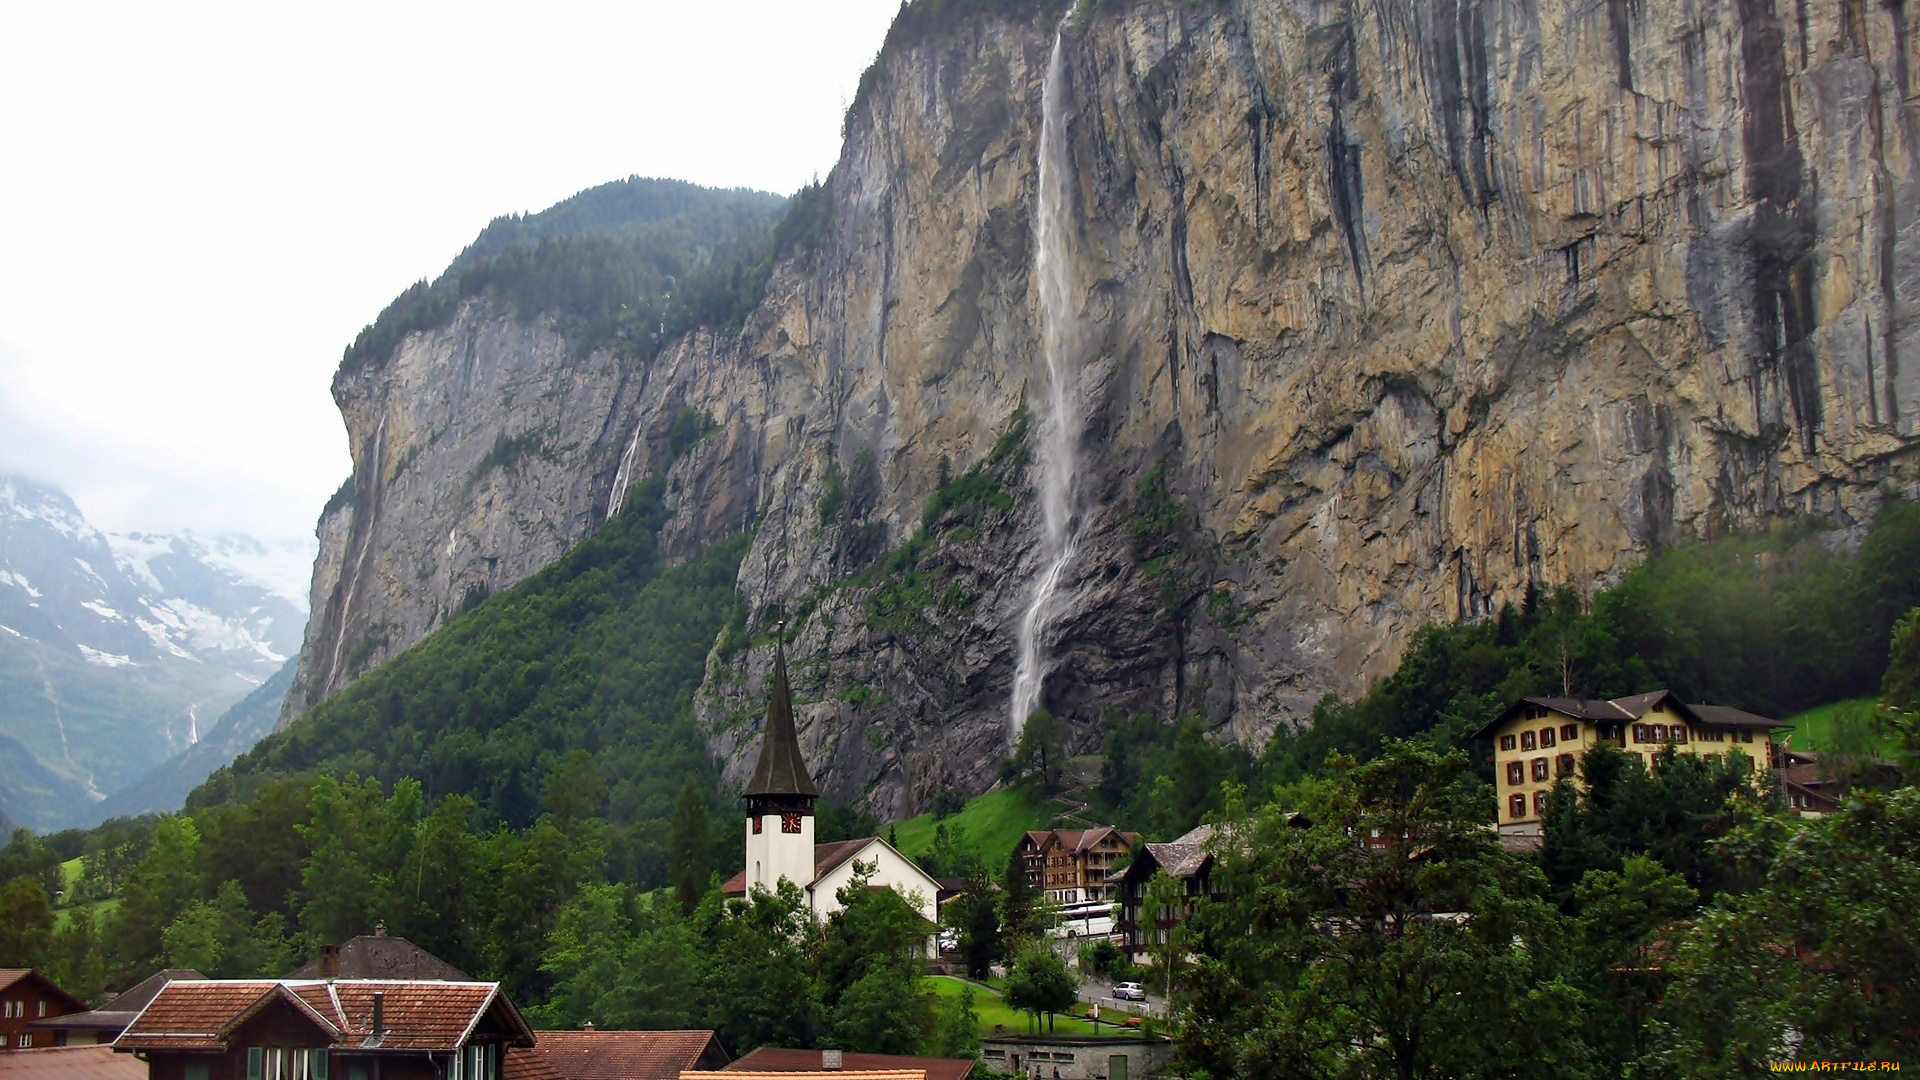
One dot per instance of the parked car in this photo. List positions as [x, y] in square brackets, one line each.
[1129, 991]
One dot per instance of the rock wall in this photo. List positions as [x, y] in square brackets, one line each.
[1389, 310]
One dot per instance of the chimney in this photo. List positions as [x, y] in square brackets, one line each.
[329, 961]
[379, 1011]
[587, 1026]
[831, 1061]
[380, 928]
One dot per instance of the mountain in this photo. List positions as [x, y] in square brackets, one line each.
[1248, 338]
[117, 651]
[165, 787]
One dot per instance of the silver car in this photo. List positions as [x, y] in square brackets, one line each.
[1129, 991]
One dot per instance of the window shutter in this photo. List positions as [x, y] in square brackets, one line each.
[256, 1057]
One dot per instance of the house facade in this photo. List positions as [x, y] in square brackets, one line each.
[1072, 865]
[291, 1029]
[98, 1027]
[27, 996]
[1539, 740]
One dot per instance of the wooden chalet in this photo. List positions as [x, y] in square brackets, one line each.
[27, 996]
[346, 1029]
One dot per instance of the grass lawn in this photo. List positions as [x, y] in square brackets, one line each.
[994, 823]
[1816, 728]
[997, 1019]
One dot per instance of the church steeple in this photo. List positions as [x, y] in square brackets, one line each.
[781, 773]
[780, 797]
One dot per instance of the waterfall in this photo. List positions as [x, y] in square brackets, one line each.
[1057, 463]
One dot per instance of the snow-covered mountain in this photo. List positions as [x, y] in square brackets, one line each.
[118, 652]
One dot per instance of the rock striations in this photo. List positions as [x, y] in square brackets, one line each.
[1387, 310]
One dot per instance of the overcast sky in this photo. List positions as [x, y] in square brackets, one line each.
[201, 204]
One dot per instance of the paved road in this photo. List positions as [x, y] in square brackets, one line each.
[1100, 992]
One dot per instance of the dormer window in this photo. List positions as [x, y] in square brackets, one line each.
[286, 1063]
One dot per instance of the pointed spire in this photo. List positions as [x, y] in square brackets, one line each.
[781, 769]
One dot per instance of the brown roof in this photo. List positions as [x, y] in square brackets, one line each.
[1632, 707]
[525, 1063]
[826, 858]
[627, 1055]
[1080, 841]
[117, 1013]
[837, 1074]
[770, 1059]
[10, 976]
[377, 956]
[416, 1015]
[782, 769]
[71, 1063]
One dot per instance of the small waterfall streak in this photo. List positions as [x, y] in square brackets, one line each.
[1058, 459]
[621, 476]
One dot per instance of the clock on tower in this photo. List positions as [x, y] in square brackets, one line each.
[790, 822]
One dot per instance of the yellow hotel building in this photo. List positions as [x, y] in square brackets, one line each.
[1537, 740]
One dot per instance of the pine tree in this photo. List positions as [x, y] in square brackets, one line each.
[690, 845]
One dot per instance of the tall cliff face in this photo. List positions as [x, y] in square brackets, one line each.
[1386, 310]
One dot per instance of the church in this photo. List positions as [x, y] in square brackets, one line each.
[780, 798]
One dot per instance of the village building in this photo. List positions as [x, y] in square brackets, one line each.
[628, 1055]
[342, 1029]
[1077, 1057]
[378, 956]
[780, 798]
[844, 1063]
[1072, 865]
[27, 996]
[1539, 740]
[1189, 860]
[104, 1024]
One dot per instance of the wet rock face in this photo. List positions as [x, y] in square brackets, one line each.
[1390, 309]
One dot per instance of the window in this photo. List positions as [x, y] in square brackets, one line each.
[1640, 733]
[756, 824]
[1509, 742]
[1569, 732]
[474, 1063]
[285, 1063]
[1517, 806]
[43, 1009]
[1526, 740]
[1712, 735]
[1546, 737]
[1539, 770]
[1516, 773]
[194, 1070]
[26, 1040]
[1678, 733]
[1563, 765]
[1539, 802]
[1746, 734]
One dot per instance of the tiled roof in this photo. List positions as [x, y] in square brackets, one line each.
[1186, 856]
[526, 1063]
[117, 1013]
[10, 976]
[837, 1074]
[71, 1063]
[377, 956]
[784, 1063]
[416, 1015]
[626, 1055]
[826, 857]
[1632, 707]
